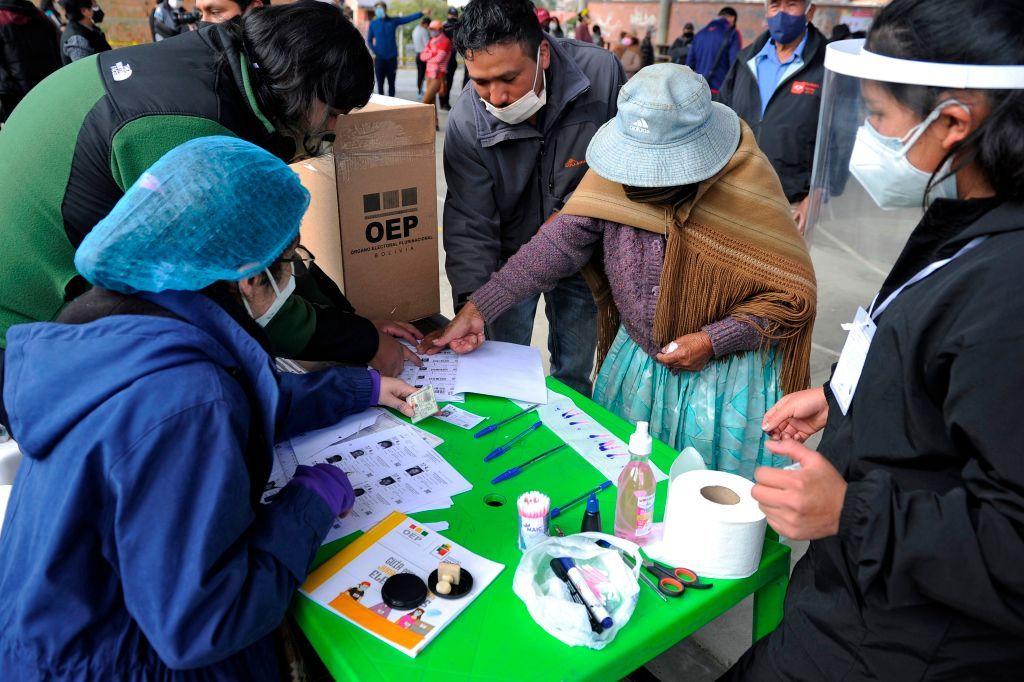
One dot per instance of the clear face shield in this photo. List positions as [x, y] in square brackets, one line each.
[868, 191]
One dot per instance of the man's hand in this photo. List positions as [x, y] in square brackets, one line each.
[393, 393]
[800, 213]
[802, 504]
[464, 334]
[798, 416]
[391, 356]
[690, 352]
[399, 330]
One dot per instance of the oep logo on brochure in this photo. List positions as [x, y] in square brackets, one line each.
[415, 533]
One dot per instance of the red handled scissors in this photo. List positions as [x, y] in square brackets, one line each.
[672, 581]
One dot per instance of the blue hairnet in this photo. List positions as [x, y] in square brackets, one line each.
[214, 208]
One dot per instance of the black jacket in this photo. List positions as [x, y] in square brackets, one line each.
[29, 50]
[924, 579]
[787, 132]
[80, 41]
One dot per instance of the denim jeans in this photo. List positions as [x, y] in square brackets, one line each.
[385, 69]
[572, 335]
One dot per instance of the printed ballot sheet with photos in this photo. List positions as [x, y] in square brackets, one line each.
[349, 584]
[392, 465]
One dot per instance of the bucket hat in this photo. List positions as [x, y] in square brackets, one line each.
[667, 131]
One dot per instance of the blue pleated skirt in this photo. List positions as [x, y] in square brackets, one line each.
[718, 410]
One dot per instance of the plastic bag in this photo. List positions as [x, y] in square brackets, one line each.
[547, 598]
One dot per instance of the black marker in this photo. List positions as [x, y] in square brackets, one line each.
[562, 575]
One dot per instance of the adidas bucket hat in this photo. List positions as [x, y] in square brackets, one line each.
[667, 131]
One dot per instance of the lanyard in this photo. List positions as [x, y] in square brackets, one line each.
[875, 312]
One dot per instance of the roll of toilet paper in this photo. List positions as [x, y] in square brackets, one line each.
[712, 525]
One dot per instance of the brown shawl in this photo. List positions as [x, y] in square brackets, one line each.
[732, 250]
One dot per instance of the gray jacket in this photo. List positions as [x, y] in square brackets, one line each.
[505, 181]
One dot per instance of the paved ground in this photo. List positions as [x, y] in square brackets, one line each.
[850, 259]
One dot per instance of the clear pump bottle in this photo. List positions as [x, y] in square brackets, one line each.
[634, 509]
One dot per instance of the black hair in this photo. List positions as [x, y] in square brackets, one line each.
[425, 21]
[498, 22]
[73, 8]
[840, 32]
[989, 34]
[728, 12]
[303, 52]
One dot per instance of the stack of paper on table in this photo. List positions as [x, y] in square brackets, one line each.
[349, 583]
[392, 466]
[506, 370]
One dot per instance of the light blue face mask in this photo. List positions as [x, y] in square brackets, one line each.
[379, 12]
[880, 164]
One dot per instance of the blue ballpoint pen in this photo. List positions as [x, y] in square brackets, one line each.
[558, 510]
[494, 427]
[499, 451]
[516, 470]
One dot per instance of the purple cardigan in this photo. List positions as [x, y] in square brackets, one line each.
[632, 260]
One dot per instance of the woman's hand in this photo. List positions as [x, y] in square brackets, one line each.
[393, 393]
[464, 334]
[690, 352]
[798, 416]
[803, 503]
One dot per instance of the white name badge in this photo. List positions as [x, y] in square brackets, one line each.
[851, 362]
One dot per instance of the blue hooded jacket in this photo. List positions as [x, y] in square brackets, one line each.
[709, 57]
[135, 546]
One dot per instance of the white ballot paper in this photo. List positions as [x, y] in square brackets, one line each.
[506, 370]
[607, 452]
[390, 464]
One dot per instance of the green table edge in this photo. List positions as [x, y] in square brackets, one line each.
[767, 585]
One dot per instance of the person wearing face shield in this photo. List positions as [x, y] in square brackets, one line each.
[147, 413]
[775, 86]
[515, 150]
[82, 36]
[914, 499]
[278, 77]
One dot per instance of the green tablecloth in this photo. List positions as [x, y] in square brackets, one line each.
[495, 638]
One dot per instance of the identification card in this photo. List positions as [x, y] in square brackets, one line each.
[458, 417]
[423, 404]
[851, 362]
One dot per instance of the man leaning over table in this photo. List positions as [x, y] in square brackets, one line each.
[515, 150]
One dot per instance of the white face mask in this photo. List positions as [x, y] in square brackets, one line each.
[280, 296]
[880, 164]
[524, 107]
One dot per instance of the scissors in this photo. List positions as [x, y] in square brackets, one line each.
[672, 581]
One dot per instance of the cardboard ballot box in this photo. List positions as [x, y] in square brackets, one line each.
[372, 218]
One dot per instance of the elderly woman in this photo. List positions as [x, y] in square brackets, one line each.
[705, 291]
[135, 544]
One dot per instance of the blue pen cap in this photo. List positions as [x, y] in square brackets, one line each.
[593, 506]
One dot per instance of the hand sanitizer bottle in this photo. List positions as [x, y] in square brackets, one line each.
[634, 509]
